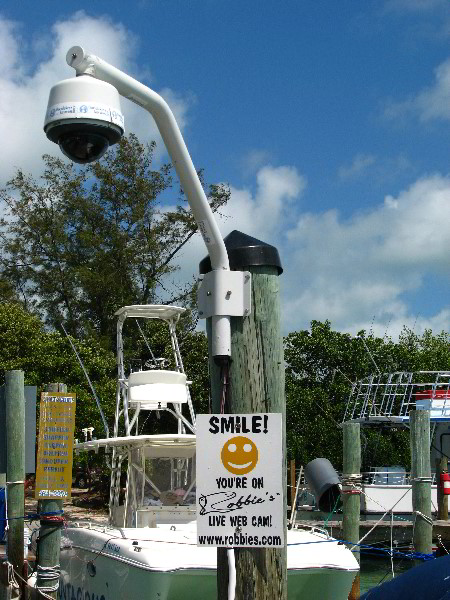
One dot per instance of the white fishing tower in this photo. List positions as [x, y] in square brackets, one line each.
[161, 468]
[153, 388]
[386, 399]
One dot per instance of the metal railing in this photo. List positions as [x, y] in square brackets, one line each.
[378, 477]
[389, 397]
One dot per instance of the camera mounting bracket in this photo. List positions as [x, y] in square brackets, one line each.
[224, 292]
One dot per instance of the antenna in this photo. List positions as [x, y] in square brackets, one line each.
[105, 424]
[387, 327]
[368, 352]
[146, 341]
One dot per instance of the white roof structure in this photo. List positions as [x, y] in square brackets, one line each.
[163, 445]
[151, 311]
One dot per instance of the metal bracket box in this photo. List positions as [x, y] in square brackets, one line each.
[225, 293]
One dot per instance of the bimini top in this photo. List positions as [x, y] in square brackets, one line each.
[151, 311]
[159, 445]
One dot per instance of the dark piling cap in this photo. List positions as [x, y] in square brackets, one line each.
[246, 251]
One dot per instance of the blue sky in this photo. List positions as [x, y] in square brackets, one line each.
[329, 120]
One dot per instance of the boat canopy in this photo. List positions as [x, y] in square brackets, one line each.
[164, 445]
[151, 311]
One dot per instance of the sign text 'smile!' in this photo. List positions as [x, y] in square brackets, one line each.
[239, 481]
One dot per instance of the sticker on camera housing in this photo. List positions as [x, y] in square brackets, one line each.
[83, 110]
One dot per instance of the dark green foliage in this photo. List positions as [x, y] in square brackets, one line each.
[322, 364]
[46, 357]
[81, 242]
[77, 244]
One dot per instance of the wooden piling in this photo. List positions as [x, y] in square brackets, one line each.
[49, 540]
[5, 591]
[2, 437]
[256, 386]
[15, 465]
[14, 410]
[442, 499]
[350, 495]
[421, 479]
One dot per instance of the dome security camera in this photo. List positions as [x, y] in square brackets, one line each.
[84, 118]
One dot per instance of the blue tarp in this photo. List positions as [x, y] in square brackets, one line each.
[2, 513]
[429, 581]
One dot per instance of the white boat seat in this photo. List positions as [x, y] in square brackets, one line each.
[156, 388]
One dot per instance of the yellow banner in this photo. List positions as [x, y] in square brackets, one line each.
[55, 445]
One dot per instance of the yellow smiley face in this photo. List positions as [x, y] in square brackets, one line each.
[239, 455]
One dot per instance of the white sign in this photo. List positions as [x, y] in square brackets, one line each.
[239, 481]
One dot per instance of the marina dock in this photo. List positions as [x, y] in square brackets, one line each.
[381, 532]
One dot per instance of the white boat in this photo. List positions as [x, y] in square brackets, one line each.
[390, 486]
[384, 400]
[149, 549]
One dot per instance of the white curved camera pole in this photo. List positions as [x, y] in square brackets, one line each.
[89, 64]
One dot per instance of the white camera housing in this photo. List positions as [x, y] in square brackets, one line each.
[84, 117]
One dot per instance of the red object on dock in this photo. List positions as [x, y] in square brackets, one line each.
[433, 395]
[445, 483]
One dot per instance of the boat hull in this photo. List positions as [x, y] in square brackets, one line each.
[97, 565]
[116, 580]
[378, 498]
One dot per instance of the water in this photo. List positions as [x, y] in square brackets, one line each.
[376, 570]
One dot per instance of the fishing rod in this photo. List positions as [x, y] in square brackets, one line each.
[105, 424]
[146, 341]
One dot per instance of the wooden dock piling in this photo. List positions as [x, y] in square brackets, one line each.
[350, 492]
[15, 470]
[256, 386]
[421, 479]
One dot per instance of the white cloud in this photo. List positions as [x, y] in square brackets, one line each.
[263, 214]
[382, 169]
[360, 163]
[357, 271]
[392, 326]
[434, 102]
[253, 160]
[414, 5]
[10, 41]
[24, 89]
[429, 104]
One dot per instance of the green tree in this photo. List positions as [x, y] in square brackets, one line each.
[322, 364]
[47, 357]
[81, 242]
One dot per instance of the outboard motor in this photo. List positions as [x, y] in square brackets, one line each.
[324, 483]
